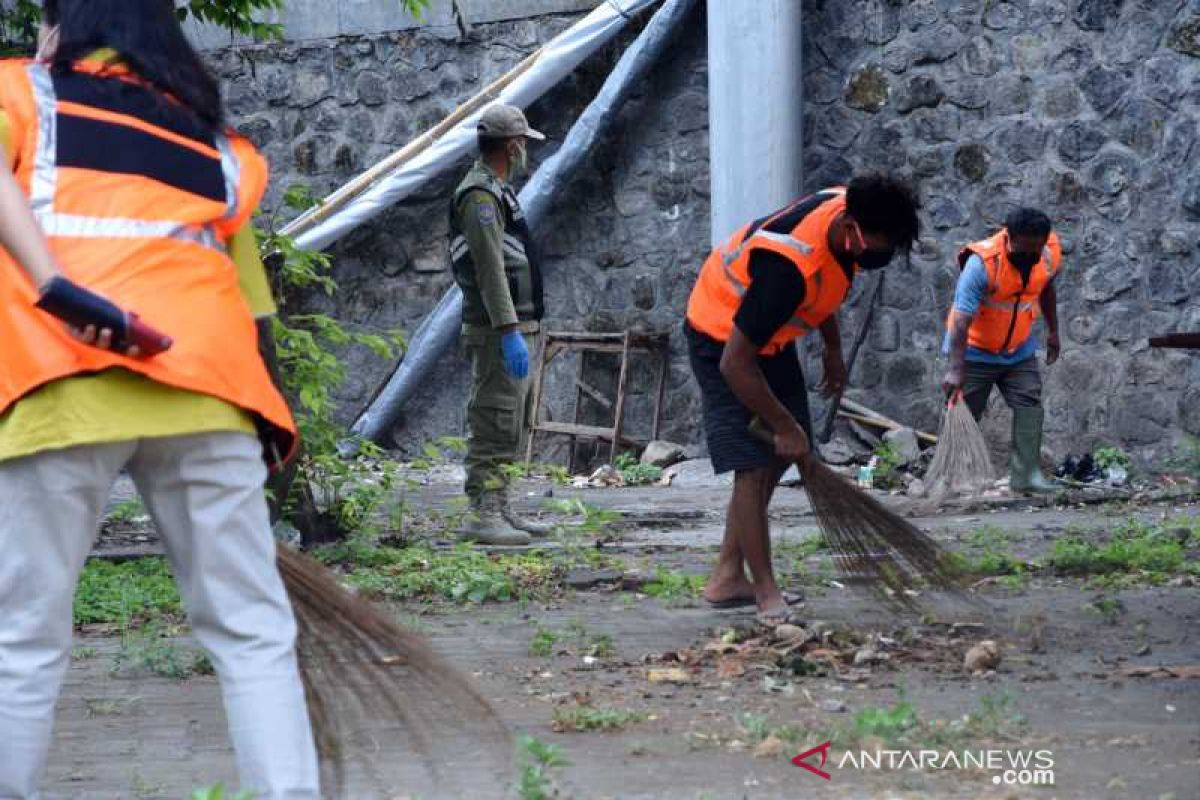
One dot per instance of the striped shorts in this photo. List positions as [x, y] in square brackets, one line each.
[731, 446]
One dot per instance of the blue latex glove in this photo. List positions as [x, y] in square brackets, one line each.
[516, 355]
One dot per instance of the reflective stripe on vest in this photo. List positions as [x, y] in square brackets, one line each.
[798, 246]
[44, 185]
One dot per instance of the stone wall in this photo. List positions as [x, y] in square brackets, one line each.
[630, 229]
[1088, 109]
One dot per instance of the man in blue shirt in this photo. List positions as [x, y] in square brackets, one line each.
[1006, 280]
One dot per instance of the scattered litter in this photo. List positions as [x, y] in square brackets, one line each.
[670, 675]
[1184, 671]
[769, 747]
[983, 657]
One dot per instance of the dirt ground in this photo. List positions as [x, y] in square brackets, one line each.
[1059, 687]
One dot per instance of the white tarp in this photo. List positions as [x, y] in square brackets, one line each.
[559, 58]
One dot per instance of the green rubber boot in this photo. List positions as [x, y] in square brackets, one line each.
[1024, 466]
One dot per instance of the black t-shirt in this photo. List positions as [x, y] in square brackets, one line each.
[776, 290]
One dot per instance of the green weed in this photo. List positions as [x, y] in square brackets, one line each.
[463, 574]
[542, 644]
[148, 650]
[1107, 457]
[127, 593]
[96, 707]
[1133, 548]
[887, 467]
[672, 587]
[593, 519]
[537, 760]
[583, 718]
[218, 793]
[1108, 608]
[128, 512]
[634, 472]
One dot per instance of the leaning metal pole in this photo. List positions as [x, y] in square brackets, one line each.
[438, 332]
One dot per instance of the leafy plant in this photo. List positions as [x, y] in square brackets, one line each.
[1109, 608]
[537, 759]
[463, 574]
[593, 518]
[127, 512]
[127, 593]
[148, 649]
[1106, 457]
[543, 643]
[887, 466]
[890, 724]
[1133, 548]
[634, 472]
[218, 793]
[348, 491]
[674, 586]
[584, 718]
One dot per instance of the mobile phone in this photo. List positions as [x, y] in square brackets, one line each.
[80, 307]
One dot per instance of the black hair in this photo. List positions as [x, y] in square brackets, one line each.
[1028, 222]
[147, 36]
[492, 145]
[886, 205]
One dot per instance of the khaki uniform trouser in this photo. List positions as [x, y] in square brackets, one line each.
[205, 494]
[499, 413]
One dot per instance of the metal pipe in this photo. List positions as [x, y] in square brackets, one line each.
[437, 333]
[559, 57]
[755, 119]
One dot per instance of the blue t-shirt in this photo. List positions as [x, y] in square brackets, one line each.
[972, 288]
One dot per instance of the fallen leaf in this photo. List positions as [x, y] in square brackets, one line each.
[730, 668]
[769, 747]
[670, 675]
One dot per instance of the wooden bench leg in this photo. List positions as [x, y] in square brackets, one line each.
[619, 422]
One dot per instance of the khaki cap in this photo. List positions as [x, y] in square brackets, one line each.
[502, 121]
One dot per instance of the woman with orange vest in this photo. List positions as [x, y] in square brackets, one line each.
[115, 135]
[774, 281]
[990, 342]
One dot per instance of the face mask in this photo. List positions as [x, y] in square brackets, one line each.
[1024, 261]
[47, 43]
[518, 162]
[875, 259]
[866, 258]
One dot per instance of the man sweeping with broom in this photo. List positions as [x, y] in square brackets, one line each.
[773, 282]
[1006, 279]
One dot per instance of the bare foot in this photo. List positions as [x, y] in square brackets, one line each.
[727, 591]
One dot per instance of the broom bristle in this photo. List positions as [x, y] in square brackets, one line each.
[360, 668]
[874, 546]
[961, 464]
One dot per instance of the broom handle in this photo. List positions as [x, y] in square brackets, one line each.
[860, 337]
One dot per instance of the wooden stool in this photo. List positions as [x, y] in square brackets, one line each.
[585, 343]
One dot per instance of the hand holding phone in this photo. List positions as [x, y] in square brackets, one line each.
[83, 310]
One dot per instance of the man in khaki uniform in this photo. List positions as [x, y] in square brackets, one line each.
[497, 270]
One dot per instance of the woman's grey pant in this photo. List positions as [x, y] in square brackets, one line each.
[205, 494]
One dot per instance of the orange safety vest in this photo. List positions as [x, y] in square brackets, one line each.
[725, 276]
[1005, 317]
[138, 202]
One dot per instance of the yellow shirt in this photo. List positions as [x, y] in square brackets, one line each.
[118, 405]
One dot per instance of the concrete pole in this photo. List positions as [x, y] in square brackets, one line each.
[755, 93]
